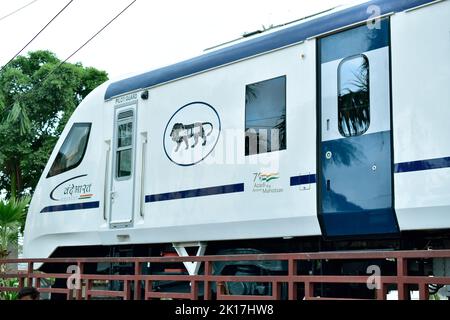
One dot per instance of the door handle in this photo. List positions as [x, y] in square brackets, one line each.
[144, 153]
[105, 184]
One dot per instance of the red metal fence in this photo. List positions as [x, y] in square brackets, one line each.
[134, 284]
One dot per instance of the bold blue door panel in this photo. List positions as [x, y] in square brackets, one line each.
[355, 160]
[356, 185]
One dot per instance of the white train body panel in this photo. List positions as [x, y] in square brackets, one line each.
[420, 79]
[182, 196]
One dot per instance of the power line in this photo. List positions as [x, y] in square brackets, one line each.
[20, 51]
[82, 46]
[17, 10]
[89, 40]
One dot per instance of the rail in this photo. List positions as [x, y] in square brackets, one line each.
[138, 286]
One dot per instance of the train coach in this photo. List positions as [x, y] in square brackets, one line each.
[329, 133]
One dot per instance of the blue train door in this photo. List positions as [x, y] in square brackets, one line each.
[355, 157]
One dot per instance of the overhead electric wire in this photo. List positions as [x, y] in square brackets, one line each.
[17, 10]
[89, 40]
[83, 45]
[37, 34]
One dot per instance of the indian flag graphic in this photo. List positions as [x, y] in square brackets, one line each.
[266, 177]
[85, 196]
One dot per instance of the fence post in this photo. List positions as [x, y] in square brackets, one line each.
[148, 288]
[126, 290]
[381, 292]
[29, 272]
[21, 282]
[79, 291]
[292, 272]
[423, 291]
[207, 284]
[309, 290]
[276, 290]
[402, 271]
[220, 290]
[88, 289]
[194, 290]
[37, 282]
[137, 281]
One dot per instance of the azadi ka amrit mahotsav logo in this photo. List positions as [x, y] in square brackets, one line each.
[263, 182]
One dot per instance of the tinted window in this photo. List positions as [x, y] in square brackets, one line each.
[124, 163]
[124, 154]
[265, 116]
[353, 96]
[125, 135]
[72, 150]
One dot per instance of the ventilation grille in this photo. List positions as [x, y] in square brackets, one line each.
[126, 114]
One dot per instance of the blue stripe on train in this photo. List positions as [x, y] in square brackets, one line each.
[301, 180]
[420, 165]
[72, 206]
[239, 187]
[232, 188]
[411, 166]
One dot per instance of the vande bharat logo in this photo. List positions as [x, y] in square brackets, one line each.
[76, 188]
[191, 133]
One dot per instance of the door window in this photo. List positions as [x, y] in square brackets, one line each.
[124, 153]
[353, 96]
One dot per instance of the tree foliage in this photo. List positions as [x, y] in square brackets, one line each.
[36, 99]
[12, 220]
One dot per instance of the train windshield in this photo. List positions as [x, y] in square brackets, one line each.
[72, 150]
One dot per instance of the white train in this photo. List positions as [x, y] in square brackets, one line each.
[331, 128]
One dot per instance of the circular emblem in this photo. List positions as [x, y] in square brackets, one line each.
[191, 133]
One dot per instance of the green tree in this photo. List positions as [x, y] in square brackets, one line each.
[12, 220]
[37, 97]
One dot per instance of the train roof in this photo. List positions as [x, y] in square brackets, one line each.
[254, 46]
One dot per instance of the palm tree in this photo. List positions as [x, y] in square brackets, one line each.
[354, 101]
[12, 220]
[19, 115]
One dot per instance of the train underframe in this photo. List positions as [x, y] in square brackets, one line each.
[407, 241]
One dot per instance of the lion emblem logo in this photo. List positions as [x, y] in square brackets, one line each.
[182, 133]
[192, 133]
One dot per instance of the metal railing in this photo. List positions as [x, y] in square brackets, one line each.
[132, 285]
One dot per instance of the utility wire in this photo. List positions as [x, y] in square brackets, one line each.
[17, 10]
[89, 40]
[82, 46]
[37, 34]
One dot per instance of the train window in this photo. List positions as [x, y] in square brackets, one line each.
[72, 150]
[124, 163]
[353, 96]
[125, 135]
[124, 154]
[265, 116]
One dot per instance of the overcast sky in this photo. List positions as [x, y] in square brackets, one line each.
[148, 35]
